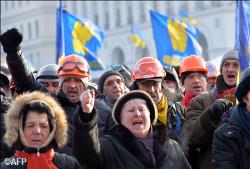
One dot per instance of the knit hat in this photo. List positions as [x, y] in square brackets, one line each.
[243, 87]
[104, 76]
[232, 54]
[116, 112]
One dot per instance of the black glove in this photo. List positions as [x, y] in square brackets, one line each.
[11, 40]
[219, 107]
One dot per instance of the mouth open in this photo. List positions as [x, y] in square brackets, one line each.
[231, 76]
[72, 93]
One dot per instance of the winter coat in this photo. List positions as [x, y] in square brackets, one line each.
[198, 128]
[231, 149]
[59, 139]
[120, 149]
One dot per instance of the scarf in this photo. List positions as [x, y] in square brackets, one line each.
[187, 98]
[228, 94]
[35, 161]
[162, 108]
[243, 119]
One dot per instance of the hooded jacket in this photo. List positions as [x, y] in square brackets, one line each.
[57, 137]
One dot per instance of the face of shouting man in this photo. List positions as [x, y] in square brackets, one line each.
[229, 71]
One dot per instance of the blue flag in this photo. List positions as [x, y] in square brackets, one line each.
[174, 39]
[242, 42]
[138, 38]
[60, 47]
[79, 37]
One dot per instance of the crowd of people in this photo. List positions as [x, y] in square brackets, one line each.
[152, 116]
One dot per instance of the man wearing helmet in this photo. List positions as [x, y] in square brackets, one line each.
[47, 75]
[147, 76]
[193, 73]
[207, 111]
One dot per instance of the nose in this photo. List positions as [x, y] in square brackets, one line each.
[72, 84]
[37, 130]
[151, 89]
[138, 113]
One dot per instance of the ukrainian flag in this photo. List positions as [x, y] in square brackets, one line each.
[138, 38]
[79, 37]
[174, 39]
[242, 42]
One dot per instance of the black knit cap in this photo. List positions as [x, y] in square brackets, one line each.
[243, 87]
[185, 75]
[104, 76]
[116, 113]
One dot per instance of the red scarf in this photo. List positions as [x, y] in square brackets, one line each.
[187, 98]
[35, 161]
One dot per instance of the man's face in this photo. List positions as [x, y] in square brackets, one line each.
[113, 88]
[51, 85]
[195, 83]
[153, 88]
[73, 87]
[229, 71]
[211, 81]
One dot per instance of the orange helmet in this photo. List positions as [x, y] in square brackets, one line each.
[74, 65]
[147, 67]
[193, 63]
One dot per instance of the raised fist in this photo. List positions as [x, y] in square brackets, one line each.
[219, 107]
[11, 40]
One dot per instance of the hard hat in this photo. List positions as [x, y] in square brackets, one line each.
[147, 67]
[74, 65]
[193, 63]
[212, 70]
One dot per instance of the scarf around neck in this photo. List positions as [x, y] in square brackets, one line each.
[162, 108]
[243, 118]
[187, 98]
[35, 161]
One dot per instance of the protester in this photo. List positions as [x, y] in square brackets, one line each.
[231, 140]
[35, 125]
[47, 75]
[193, 73]
[171, 80]
[207, 111]
[73, 77]
[131, 144]
[211, 75]
[6, 99]
[147, 76]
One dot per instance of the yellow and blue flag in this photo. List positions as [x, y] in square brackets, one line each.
[79, 37]
[242, 42]
[185, 17]
[137, 37]
[174, 39]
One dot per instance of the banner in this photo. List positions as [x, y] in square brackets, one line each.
[79, 37]
[174, 39]
[138, 38]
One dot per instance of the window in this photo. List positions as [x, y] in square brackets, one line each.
[20, 3]
[170, 8]
[37, 28]
[155, 5]
[12, 4]
[118, 17]
[106, 20]
[184, 6]
[96, 19]
[29, 30]
[215, 3]
[199, 5]
[130, 14]
[142, 12]
[21, 28]
[6, 3]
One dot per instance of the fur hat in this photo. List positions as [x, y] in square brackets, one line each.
[232, 54]
[13, 118]
[243, 87]
[104, 76]
[116, 113]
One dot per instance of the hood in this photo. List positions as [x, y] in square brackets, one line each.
[12, 118]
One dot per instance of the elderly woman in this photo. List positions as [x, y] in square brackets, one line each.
[131, 144]
[231, 141]
[35, 125]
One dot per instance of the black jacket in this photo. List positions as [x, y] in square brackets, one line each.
[120, 149]
[230, 149]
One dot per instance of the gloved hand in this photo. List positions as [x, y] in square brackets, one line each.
[11, 40]
[219, 107]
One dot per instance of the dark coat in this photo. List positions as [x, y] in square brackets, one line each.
[120, 149]
[231, 149]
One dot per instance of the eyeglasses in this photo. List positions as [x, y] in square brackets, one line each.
[111, 82]
[69, 66]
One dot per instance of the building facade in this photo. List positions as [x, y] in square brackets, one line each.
[37, 21]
